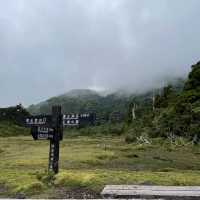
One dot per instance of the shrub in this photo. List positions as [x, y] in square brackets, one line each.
[130, 138]
[116, 129]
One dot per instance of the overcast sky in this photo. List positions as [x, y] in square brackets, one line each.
[48, 47]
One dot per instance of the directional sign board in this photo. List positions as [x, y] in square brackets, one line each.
[67, 120]
[38, 120]
[42, 133]
[87, 119]
[71, 120]
[78, 119]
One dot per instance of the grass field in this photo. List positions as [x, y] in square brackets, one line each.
[89, 163]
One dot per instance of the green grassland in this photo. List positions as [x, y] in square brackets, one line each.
[91, 163]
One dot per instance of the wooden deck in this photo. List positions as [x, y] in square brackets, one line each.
[151, 192]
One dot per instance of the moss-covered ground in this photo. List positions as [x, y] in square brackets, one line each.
[92, 162]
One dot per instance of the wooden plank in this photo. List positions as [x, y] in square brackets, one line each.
[150, 187]
[153, 193]
[150, 191]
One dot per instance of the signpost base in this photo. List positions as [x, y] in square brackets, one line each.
[54, 156]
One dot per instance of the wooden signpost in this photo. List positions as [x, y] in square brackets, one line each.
[58, 135]
[50, 127]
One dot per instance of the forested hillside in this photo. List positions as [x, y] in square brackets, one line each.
[14, 114]
[174, 113]
[103, 105]
[81, 101]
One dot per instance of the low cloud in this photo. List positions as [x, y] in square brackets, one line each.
[49, 47]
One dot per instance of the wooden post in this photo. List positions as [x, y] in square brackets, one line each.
[54, 143]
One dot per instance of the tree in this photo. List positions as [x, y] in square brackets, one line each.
[193, 81]
[129, 118]
[162, 101]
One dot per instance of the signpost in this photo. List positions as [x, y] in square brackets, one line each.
[50, 127]
[58, 135]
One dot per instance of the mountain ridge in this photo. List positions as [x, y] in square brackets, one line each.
[88, 100]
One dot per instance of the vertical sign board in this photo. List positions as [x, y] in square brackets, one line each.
[48, 127]
[54, 143]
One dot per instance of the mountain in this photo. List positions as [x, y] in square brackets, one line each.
[83, 100]
[81, 93]
[86, 100]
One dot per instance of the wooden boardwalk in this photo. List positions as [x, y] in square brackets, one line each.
[151, 192]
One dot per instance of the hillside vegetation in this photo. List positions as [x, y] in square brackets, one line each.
[8, 129]
[14, 114]
[174, 114]
[81, 101]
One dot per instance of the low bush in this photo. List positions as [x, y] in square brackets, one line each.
[10, 129]
[130, 138]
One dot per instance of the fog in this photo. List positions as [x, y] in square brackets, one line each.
[50, 47]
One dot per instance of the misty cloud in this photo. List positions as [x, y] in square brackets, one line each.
[49, 47]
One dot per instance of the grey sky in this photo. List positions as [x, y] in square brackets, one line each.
[48, 47]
